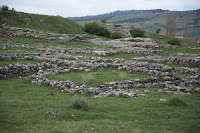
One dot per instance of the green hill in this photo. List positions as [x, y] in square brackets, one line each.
[150, 20]
[40, 22]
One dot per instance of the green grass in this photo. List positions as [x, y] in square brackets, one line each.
[15, 50]
[176, 101]
[171, 65]
[122, 56]
[165, 39]
[82, 23]
[33, 34]
[24, 107]
[150, 89]
[181, 74]
[5, 63]
[39, 22]
[35, 42]
[99, 77]
[181, 50]
[104, 38]
[88, 55]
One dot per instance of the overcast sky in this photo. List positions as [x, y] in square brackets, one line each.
[74, 8]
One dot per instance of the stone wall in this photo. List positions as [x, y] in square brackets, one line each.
[129, 42]
[18, 70]
[163, 78]
[186, 61]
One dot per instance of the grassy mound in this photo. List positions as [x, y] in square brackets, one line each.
[54, 24]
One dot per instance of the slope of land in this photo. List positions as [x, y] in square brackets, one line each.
[150, 20]
[40, 22]
[143, 88]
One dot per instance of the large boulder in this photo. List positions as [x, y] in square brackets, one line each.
[124, 29]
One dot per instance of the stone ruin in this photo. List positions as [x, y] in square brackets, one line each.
[124, 28]
[55, 61]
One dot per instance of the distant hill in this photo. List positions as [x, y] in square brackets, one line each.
[150, 20]
[39, 22]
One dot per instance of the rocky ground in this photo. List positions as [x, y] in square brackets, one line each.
[150, 60]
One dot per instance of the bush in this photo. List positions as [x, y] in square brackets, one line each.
[94, 28]
[79, 103]
[137, 33]
[158, 31]
[88, 79]
[176, 101]
[60, 31]
[174, 41]
[4, 8]
[103, 20]
[116, 35]
[122, 75]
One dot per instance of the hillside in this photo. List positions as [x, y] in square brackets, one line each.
[79, 83]
[150, 20]
[39, 22]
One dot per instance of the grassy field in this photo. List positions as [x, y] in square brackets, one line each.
[39, 22]
[44, 43]
[97, 78]
[181, 50]
[122, 56]
[5, 63]
[165, 39]
[34, 108]
[26, 107]
[15, 50]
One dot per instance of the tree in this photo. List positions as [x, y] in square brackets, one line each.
[4, 8]
[103, 20]
[171, 24]
[158, 31]
[187, 35]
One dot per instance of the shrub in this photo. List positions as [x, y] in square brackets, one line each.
[4, 8]
[5, 32]
[94, 28]
[116, 35]
[158, 31]
[174, 41]
[137, 33]
[176, 101]
[88, 79]
[51, 114]
[122, 75]
[79, 103]
[60, 31]
[103, 20]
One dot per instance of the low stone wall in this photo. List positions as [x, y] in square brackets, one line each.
[118, 43]
[187, 61]
[4, 27]
[164, 77]
[18, 70]
[19, 56]
[97, 62]
[62, 38]
[122, 88]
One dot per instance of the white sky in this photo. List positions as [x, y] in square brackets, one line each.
[75, 8]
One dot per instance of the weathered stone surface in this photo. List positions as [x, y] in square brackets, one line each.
[55, 61]
[124, 29]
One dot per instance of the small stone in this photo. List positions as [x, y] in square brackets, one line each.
[163, 100]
